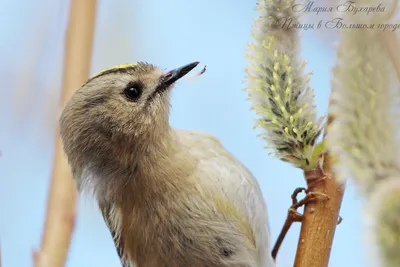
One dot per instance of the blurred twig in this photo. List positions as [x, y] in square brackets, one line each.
[22, 97]
[365, 134]
[61, 207]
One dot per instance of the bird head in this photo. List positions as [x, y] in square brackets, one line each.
[118, 107]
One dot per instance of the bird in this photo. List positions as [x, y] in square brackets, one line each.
[170, 197]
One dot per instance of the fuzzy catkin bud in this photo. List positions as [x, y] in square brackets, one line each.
[279, 88]
[364, 134]
[383, 215]
[388, 230]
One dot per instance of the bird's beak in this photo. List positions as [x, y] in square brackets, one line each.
[173, 75]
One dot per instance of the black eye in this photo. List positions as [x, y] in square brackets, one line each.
[133, 91]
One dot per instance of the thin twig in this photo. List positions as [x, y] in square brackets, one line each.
[61, 206]
[285, 229]
[290, 219]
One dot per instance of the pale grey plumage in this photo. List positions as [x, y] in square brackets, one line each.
[170, 197]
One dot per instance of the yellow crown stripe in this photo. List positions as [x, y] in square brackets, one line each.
[121, 66]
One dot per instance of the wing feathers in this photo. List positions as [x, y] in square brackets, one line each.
[112, 218]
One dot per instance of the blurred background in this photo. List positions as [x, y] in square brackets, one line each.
[168, 34]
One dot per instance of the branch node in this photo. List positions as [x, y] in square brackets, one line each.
[294, 215]
[339, 220]
[314, 177]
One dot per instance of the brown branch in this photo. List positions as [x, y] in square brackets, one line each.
[61, 207]
[320, 219]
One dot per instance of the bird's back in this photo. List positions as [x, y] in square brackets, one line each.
[222, 171]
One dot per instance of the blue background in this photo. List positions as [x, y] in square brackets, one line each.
[169, 34]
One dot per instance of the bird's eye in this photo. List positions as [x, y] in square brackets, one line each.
[133, 91]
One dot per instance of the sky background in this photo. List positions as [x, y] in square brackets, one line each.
[169, 34]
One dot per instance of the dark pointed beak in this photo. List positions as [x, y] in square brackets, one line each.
[173, 75]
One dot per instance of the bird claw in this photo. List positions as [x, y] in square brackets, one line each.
[310, 196]
[296, 192]
[295, 216]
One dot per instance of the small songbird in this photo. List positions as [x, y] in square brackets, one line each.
[171, 198]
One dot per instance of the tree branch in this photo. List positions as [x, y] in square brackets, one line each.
[320, 219]
[61, 207]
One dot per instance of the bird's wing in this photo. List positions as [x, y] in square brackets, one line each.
[235, 181]
[111, 218]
